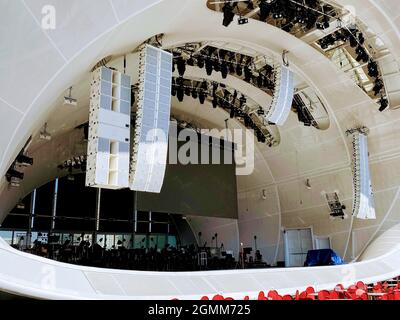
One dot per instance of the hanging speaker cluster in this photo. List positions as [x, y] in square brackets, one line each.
[283, 96]
[150, 136]
[113, 162]
[363, 204]
[109, 130]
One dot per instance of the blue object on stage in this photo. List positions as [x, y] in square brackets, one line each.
[324, 257]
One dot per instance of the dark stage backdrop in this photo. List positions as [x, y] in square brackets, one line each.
[197, 189]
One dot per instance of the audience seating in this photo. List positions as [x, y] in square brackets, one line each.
[389, 290]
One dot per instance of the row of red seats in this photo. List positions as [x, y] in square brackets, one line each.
[359, 291]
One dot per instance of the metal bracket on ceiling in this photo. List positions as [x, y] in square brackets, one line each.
[284, 58]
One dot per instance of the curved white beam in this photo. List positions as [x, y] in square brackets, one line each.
[32, 276]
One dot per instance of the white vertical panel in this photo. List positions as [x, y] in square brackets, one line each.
[364, 204]
[282, 100]
[109, 130]
[150, 148]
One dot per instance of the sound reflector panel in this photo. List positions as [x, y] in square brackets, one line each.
[150, 140]
[364, 204]
[283, 96]
[109, 130]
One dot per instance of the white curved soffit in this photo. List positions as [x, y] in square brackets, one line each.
[32, 276]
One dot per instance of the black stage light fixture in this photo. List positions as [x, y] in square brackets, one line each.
[187, 91]
[384, 104]
[265, 10]
[209, 66]
[12, 173]
[194, 93]
[180, 93]
[260, 111]
[224, 70]
[217, 65]
[232, 112]
[181, 65]
[214, 101]
[24, 160]
[200, 62]
[378, 86]
[190, 61]
[242, 101]
[373, 69]
[242, 21]
[239, 70]
[202, 97]
[247, 74]
[228, 14]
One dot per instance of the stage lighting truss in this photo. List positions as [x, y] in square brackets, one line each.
[76, 162]
[283, 95]
[355, 53]
[235, 103]
[214, 57]
[363, 203]
[149, 149]
[296, 17]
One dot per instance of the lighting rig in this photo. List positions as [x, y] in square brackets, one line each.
[293, 16]
[227, 63]
[13, 175]
[75, 163]
[233, 102]
[355, 39]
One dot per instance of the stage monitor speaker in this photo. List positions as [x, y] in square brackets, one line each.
[109, 130]
[150, 136]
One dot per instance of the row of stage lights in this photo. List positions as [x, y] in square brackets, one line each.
[226, 63]
[288, 13]
[77, 163]
[356, 40]
[231, 102]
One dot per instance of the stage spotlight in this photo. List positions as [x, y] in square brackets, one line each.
[224, 70]
[243, 20]
[190, 61]
[202, 97]
[194, 93]
[12, 173]
[239, 70]
[217, 65]
[200, 62]
[180, 94]
[260, 111]
[247, 74]
[187, 91]
[265, 10]
[215, 101]
[228, 14]
[384, 104]
[378, 86]
[24, 160]
[209, 66]
[232, 112]
[181, 65]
